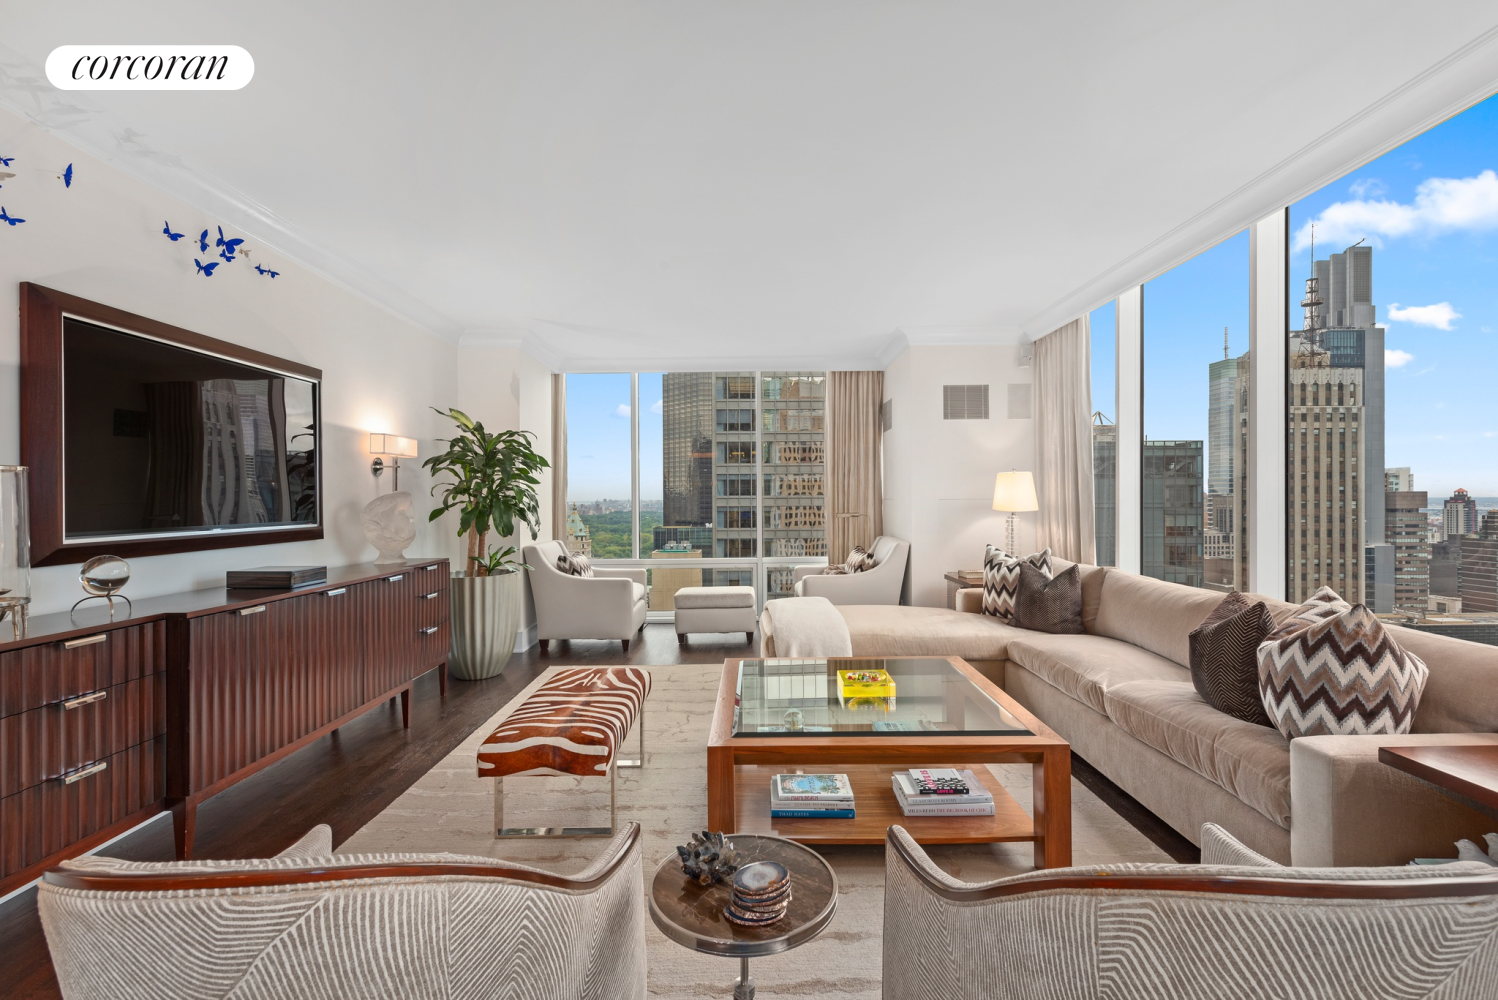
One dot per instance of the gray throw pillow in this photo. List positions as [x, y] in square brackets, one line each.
[575, 564]
[1225, 658]
[1049, 604]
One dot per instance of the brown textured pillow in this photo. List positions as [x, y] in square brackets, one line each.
[1225, 658]
[1049, 604]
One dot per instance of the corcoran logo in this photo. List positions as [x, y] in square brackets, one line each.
[149, 67]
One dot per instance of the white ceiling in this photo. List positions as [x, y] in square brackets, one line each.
[699, 183]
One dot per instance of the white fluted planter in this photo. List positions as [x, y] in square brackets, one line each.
[485, 617]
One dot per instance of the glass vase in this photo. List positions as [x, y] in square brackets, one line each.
[15, 549]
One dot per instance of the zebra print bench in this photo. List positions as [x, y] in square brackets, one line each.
[574, 723]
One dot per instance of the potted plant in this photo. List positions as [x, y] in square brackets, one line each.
[492, 486]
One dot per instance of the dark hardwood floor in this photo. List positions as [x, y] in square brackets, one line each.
[347, 778]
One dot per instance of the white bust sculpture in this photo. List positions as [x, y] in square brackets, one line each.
[390, 525]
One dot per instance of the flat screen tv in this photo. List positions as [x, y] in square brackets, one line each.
[145, 438]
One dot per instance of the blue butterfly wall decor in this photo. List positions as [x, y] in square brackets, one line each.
[205, 269]
[267, 272]
[167, 229]
[67, 176]
[203, 242]
[12, 220]
[6, 161]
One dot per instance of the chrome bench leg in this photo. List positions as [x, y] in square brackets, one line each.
[502, 832]
[641, 762]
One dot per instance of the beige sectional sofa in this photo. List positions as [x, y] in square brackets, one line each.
[1122, 696]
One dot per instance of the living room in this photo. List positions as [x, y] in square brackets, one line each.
[846, 500]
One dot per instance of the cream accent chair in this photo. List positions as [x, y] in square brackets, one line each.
[880, 585]
[609, 605]
[309, 923]
[1237, 925]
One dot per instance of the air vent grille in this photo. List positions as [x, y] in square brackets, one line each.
[964, 402]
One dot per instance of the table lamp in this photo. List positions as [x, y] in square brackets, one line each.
[1014, 491]
[394, 447]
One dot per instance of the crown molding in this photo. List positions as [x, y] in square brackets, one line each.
[100, 134]
[1447, 88]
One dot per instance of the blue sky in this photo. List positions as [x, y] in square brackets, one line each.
[1430, 210]
[598, 450]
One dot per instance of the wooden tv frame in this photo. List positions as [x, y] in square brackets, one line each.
[42, 311]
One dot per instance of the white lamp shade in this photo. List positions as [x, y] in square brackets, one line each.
[392, 445]
[1014, 491]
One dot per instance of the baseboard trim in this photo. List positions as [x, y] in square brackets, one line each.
[525, 638]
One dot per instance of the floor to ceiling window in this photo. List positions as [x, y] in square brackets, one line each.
[1392, 458]
[730, 472]
[1104, 326]
[1194, 464]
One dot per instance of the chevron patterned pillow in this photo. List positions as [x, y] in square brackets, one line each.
[575, 564]
[1341, 676]
[1225, 661]
[1325, 603]
[1001, 579]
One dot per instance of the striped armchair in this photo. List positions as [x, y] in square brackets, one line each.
[309, 923]
[1235, 926]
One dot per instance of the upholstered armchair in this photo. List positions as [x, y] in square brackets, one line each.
[608, 605]
[1236, 925]
[880, 585]
[309, 923]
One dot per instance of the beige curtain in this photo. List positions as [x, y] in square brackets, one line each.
[1063, 441]
[558, 456]
[855, 486]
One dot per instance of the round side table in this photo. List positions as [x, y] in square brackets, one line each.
[692, 914]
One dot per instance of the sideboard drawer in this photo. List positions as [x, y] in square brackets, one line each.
[44, 819]
[48, 741]
[55, 672]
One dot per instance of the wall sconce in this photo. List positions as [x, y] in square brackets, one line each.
[395, 448]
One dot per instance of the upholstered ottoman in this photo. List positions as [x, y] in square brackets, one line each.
[574, 723]
[715, 609]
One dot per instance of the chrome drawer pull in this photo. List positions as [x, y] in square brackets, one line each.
[428, 630]
[428, 597]
[428, 569]
[395, 579]
[85, 699]
[250, 611]
[84, 772]
[87, 640]
[335, 593]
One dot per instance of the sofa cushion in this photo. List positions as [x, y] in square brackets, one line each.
[1252, 762]
[1343, 675]
[897, 630]
[1001, 579]
[1049, 605]
[1152, 614]
[1225, 658]
[1461, 693]
[1092, 588]
[1086, 666]
[575, 564]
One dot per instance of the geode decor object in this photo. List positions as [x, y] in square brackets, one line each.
[390, 525]
[708, 858]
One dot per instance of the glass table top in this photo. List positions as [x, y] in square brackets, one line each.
[894, 696]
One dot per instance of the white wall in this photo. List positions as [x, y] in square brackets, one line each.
[102, 240]
[938, 474]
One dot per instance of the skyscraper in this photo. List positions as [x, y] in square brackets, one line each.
[1227, 467]
[1105, 488]
[1459, 515]
[687, 449]
[1479, 571]
[1336, 428]
[1404, 525]
[1172, 512]
[1399, 480]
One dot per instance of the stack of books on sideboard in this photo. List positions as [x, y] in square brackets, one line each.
[941, 792]
[811, 796]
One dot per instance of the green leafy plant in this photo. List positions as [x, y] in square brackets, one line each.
[492, 486]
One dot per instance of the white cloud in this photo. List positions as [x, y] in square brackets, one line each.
[1397, 359]
[656, 407]
[1441, 204]
[1368, 187]
[1439, 315]
[622, 410]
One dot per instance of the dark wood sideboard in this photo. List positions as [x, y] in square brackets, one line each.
[104, 723]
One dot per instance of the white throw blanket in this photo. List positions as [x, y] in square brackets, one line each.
[805, 627]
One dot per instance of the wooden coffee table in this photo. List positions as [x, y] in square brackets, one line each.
[946, 714]
[1467, 773]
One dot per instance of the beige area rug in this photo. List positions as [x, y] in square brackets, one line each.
[450, 809]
